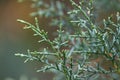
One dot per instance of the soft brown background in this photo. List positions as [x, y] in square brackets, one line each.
[14, 39]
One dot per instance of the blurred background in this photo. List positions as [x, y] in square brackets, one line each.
[14, 39]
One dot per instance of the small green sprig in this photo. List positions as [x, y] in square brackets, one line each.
[36, 29]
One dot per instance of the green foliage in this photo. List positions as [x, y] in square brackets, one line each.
[74, 54]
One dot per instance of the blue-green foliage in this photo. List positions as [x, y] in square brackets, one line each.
[71, 52]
